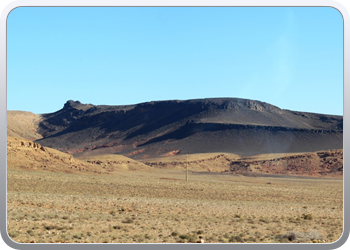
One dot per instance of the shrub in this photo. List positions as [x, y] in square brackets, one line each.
[128, 220]
[265, 220]
[193, 239]
[113, 213]
[65, 237]
[307, 216]
[226, 236]
[50, 227]
[188, 238]
[251, 221]
[184, 236]
[251, 239]
[78, 236]
[13, 234]
[236, 238]
[30, 232]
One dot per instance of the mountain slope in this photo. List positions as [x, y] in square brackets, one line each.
[23, 124]
[152, 129]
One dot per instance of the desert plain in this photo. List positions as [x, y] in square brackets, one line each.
[221, 170]
[113, 199]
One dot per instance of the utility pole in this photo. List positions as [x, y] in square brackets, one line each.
[186, 167]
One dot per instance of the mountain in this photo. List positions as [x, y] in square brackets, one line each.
[158, 128]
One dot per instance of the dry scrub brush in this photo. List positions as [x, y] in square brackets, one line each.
[160, 206]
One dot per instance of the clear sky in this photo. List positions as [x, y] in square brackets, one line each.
[291, 57]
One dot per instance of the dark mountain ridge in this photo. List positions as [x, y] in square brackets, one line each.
[151, 129]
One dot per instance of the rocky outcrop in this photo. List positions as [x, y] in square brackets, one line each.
[318, 164]
[153, 129]
[323, 163]
[28, 155]
[30, 144]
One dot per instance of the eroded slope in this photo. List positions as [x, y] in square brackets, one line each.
[322, 163]
[23, 124]
[28, 155]
[152, 129]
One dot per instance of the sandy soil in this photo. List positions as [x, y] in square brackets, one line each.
[23, 125]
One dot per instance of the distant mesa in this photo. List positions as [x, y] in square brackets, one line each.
[161, 128]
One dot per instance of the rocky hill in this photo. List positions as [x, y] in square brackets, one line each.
[23, 124]
[27, 155]
[153, 129]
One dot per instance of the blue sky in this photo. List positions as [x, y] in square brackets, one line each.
[291, 57]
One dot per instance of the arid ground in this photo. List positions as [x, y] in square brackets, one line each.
[159, 205]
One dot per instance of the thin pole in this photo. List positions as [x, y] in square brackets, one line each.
[186, 167]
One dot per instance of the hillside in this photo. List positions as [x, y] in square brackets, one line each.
[322, 163]
[153, 129]
[28, 155]
[23, 124]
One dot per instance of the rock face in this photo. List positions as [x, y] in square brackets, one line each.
[152, 129]
[28, 155]
[322, 163]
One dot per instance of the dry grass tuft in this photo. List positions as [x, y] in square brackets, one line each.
[160, 206]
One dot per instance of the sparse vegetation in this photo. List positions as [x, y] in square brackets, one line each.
[308, 216]
[134, 206]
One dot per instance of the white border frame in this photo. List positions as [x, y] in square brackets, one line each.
[169, 3]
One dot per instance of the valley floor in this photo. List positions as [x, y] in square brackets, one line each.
[160, 206]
